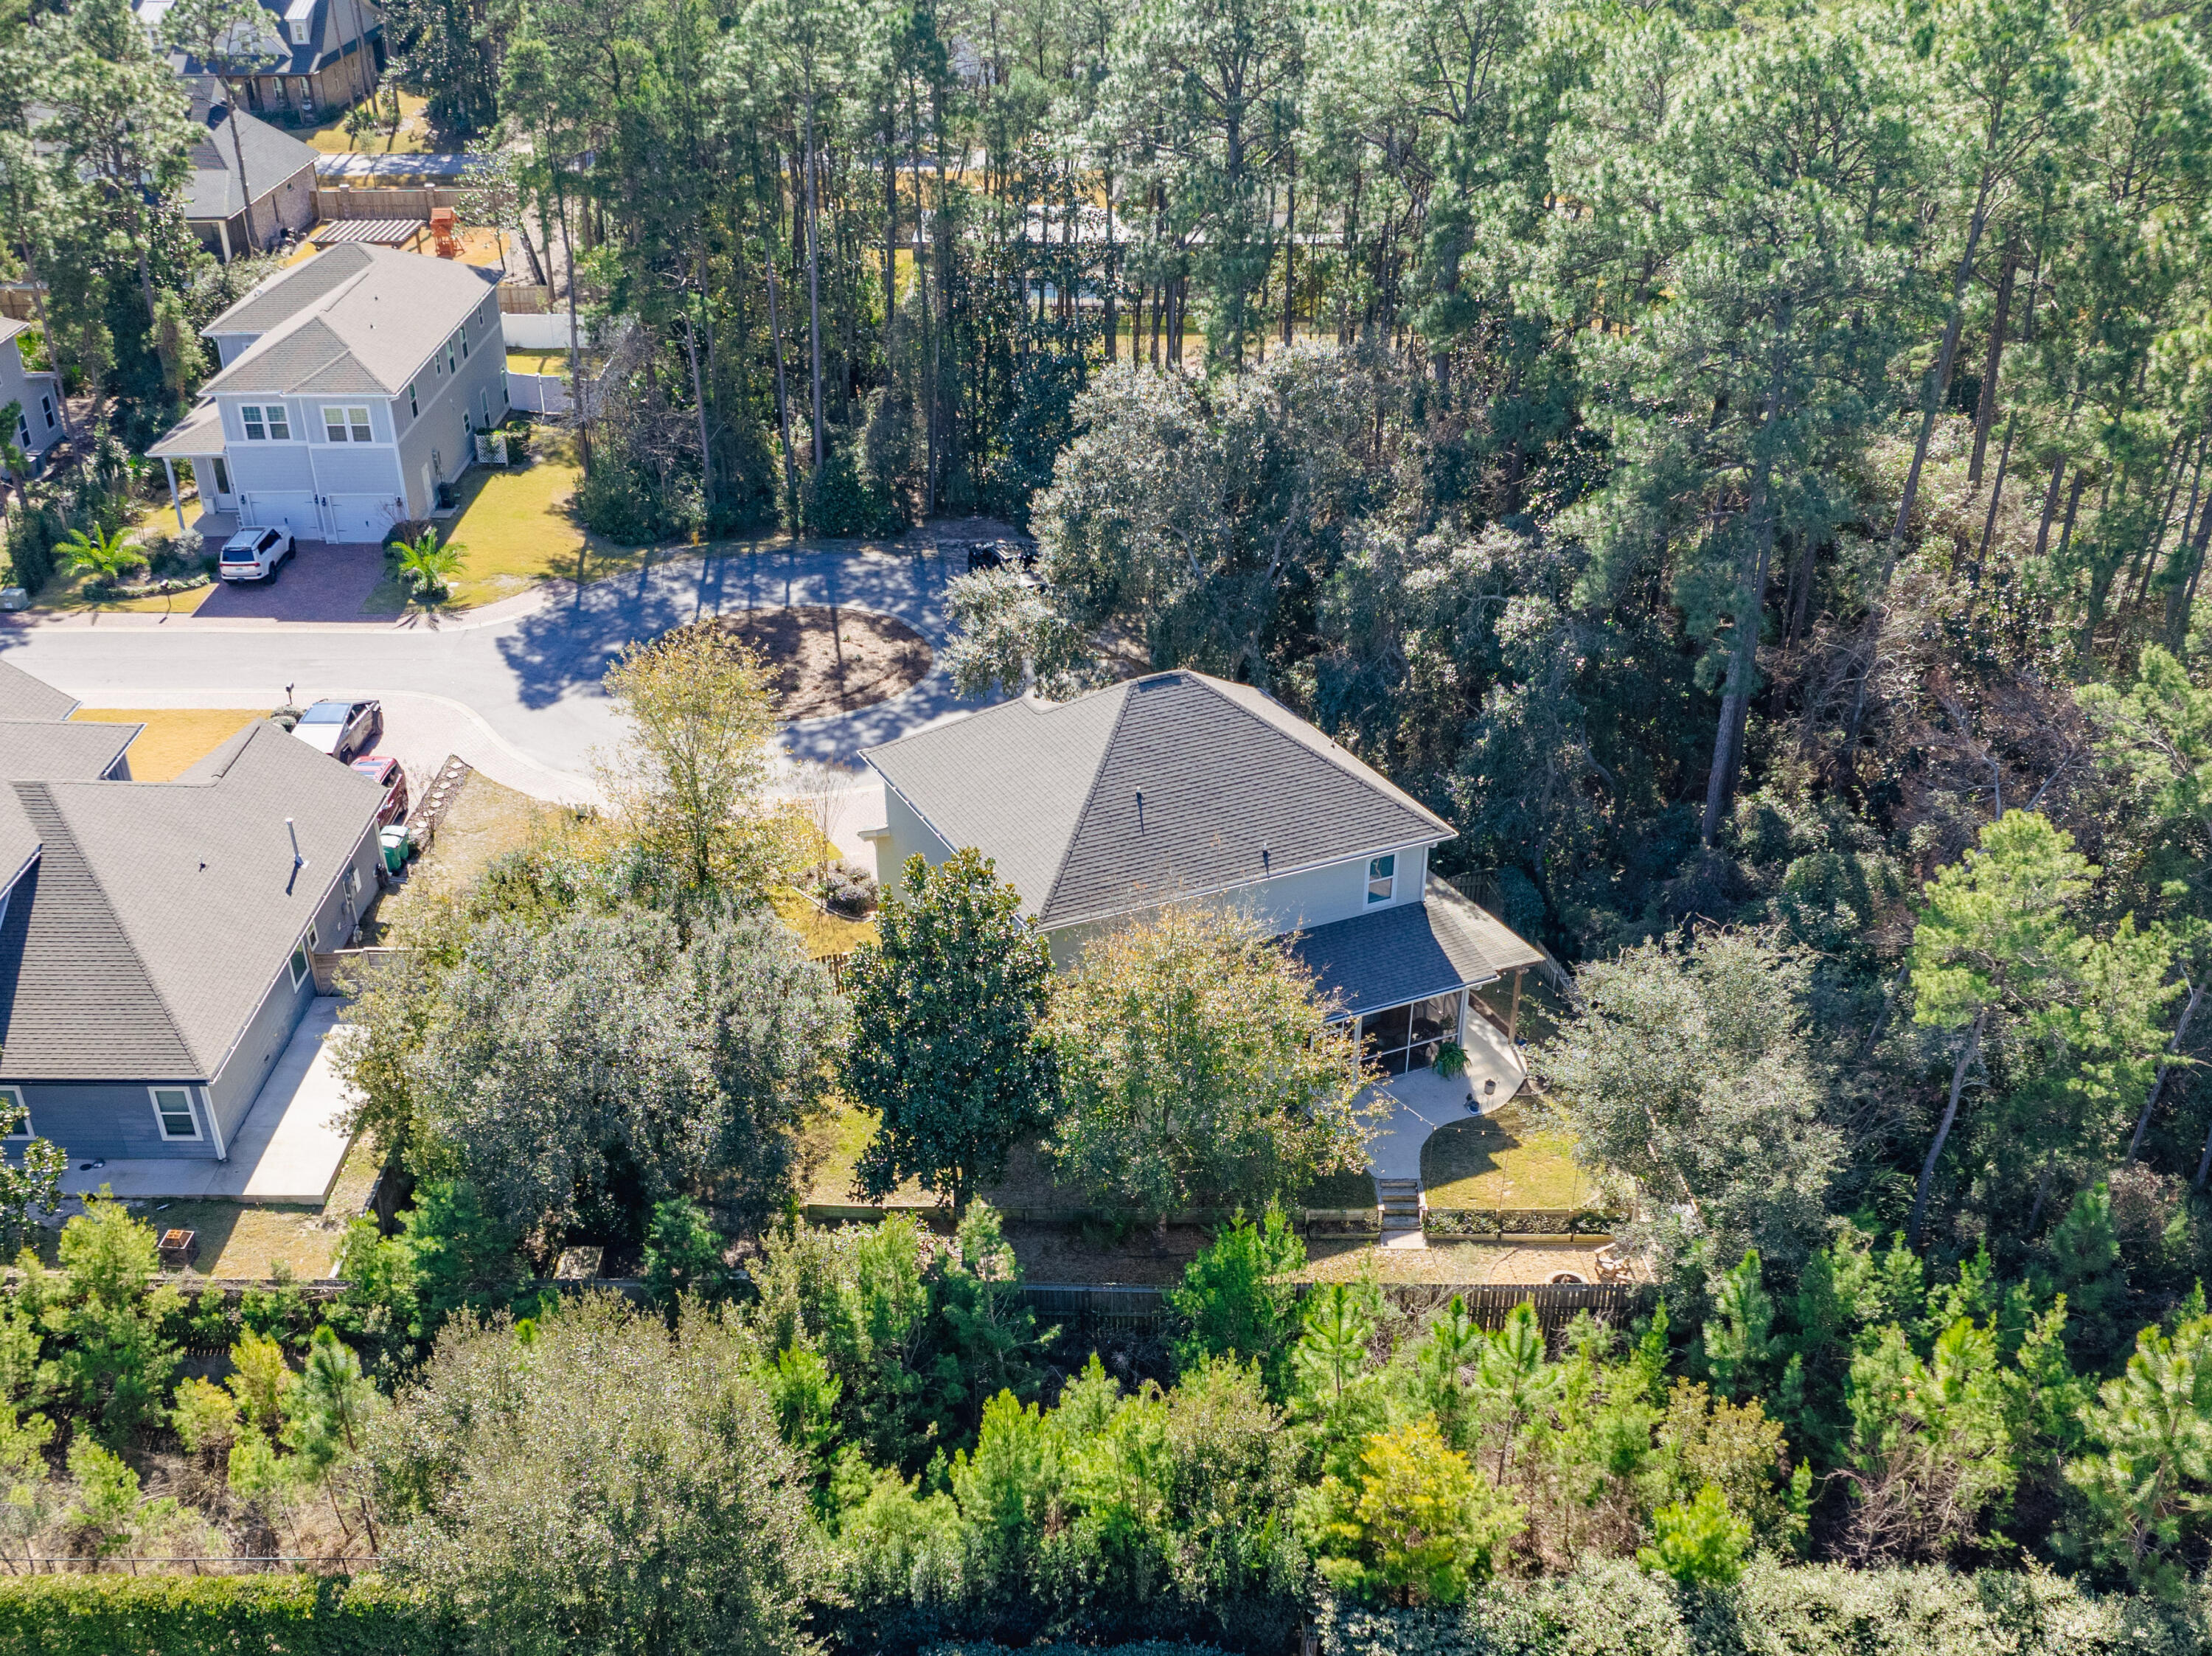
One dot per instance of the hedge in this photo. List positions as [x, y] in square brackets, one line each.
[1614, 1608]
[204, 1614]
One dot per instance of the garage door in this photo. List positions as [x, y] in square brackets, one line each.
[356, 517]
[297, 512]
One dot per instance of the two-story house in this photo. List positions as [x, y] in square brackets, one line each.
[312, 56]
[1178, 787]
[351, 387]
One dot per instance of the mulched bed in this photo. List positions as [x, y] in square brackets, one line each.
[829, 659]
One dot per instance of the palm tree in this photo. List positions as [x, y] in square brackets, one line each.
[428, 568]
[106, 555]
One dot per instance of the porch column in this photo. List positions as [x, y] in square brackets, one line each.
[223, 229]
[169, 470]
[1513, 1015]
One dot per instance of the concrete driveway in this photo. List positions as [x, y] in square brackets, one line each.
[323, 582]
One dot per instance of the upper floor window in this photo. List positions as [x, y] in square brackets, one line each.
[278, 427]
[464, 337]
[411, 409]
[451, 365]
[47, 407]
[22, 434]
[15, 1113]
[1382, 877]
[340, 423]
[300, 32]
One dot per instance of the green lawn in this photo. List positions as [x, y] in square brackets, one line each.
[518, 526]
[331, 138]
[1507, 1159]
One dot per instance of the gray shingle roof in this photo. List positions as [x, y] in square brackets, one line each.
[160, 913]
[39, 750]
[1049, 793]
[22, 696]
[1411, 952]
[19, 840]
[271, 157]
[352, 319]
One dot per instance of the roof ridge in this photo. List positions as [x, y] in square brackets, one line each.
[1075, 831]
[55, 834]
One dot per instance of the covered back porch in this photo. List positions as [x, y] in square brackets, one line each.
[1404, 974]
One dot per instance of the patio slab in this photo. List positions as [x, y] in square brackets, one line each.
[1421, 1101]
[288, 1149]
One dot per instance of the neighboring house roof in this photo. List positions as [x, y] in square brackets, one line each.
[271, 158]
[160, 914]
[1049, 793]
[352, 319]
[42, 751]
[19, 843]
[22, 696]
[332, 34]
[1409, 951]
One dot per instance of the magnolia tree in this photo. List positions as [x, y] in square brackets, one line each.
[1198, 1067]
[946, 1041]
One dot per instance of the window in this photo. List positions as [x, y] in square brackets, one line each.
[334, 425]
[15, 1113]
[1402, 1038]
[221, 477]
[22, 434]
[47, 407]
[300, 33]
[255, 432]
[464, 337]
[338, 422]
[1381, 878]
[300, 967]
[172, 1108]
[358, 418]
[411, 409]
[280, 424]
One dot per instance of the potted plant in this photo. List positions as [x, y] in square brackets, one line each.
[1451, 1060]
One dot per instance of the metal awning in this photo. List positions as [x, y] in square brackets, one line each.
[1435, 947]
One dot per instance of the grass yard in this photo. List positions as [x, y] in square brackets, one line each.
[246, 1239]
[553, 363]
[517, 528]
[331, 138]
[825, 935]
[1347, 1258]
[175, 739]
[485, 822]
[1507, 1159]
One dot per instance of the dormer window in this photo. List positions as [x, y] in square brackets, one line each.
[1381, 878]
[300, 32]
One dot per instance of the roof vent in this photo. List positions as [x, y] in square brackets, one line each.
[298, 861]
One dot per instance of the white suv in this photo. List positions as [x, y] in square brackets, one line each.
[256, 553]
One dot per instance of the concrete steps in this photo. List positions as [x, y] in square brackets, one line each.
[1400, 1200]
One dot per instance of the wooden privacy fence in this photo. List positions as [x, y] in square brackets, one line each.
[1114, 1308]
[387, 202]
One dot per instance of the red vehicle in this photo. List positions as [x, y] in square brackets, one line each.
[385, 772]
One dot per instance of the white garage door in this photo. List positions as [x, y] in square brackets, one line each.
[356, 518]
[297, 512]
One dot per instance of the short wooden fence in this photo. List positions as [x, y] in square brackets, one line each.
[386, 202]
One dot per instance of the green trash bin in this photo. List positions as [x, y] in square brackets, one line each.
[392, 841]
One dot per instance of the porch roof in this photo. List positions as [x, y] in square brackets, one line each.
[199, 432]
[1440, 944]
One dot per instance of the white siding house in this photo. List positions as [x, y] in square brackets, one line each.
[350, 390]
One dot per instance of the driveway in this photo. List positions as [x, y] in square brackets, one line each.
[323, 582]
[516, 690]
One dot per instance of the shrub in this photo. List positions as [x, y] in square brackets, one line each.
[202, 1616]
[1235, 1298]
[1700, 1542]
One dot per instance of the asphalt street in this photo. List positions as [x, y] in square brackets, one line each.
[515, 690]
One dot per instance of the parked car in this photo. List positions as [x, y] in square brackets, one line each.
[384, 770]
[340, 728]
[256, 553]
[998, 554]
